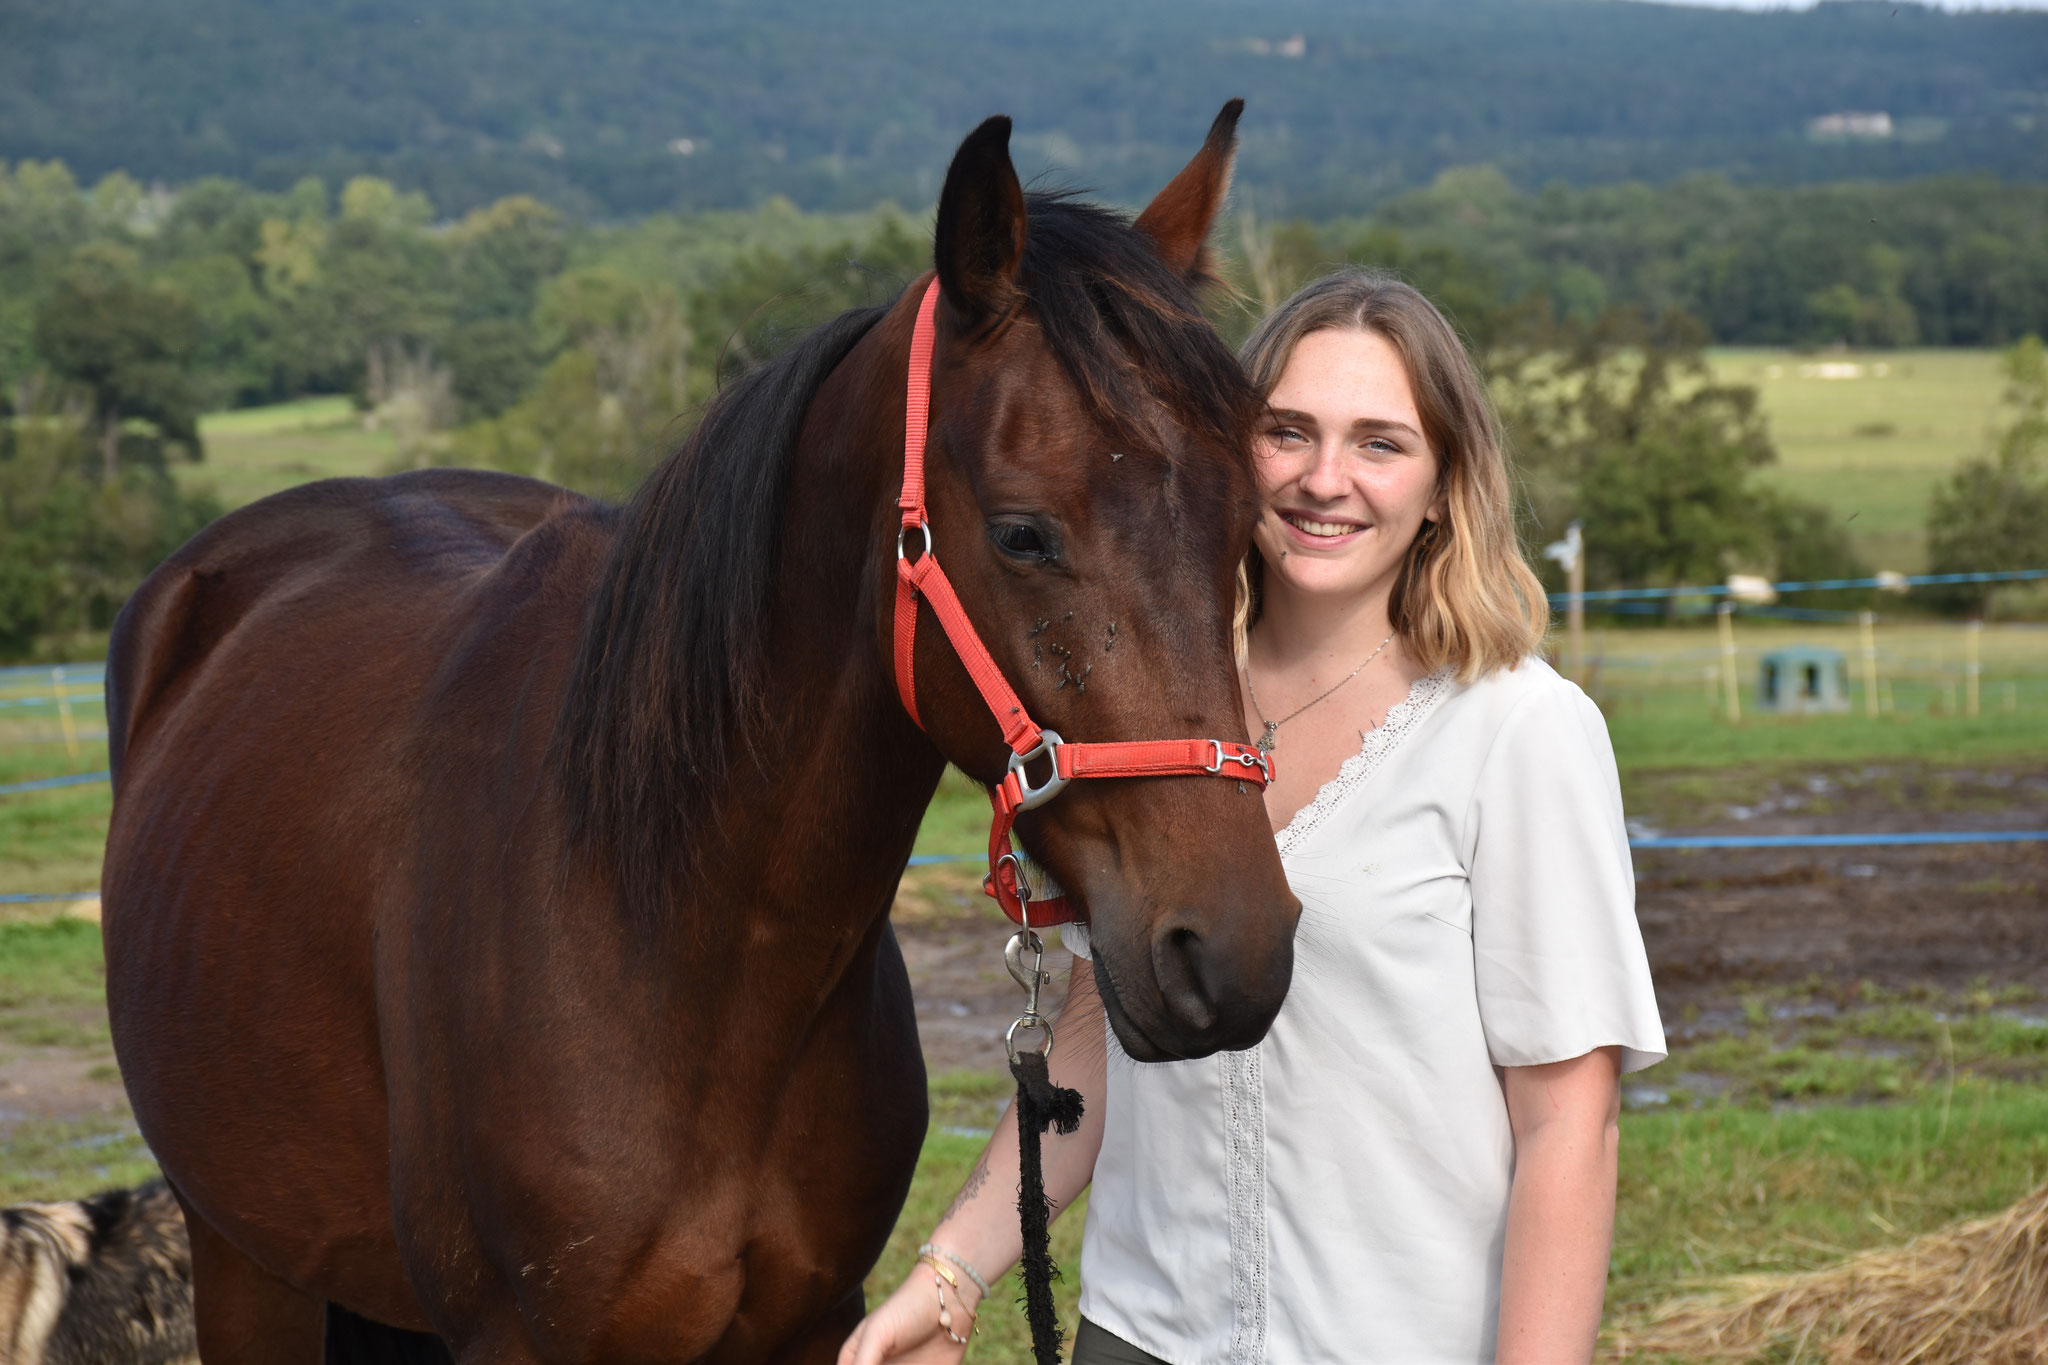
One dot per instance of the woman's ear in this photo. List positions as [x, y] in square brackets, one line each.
[1439, 506]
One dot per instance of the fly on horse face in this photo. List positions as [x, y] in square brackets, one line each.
[497, 898]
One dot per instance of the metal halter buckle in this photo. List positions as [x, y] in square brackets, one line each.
[923, 526]
[1247, 759]
[1047, 747]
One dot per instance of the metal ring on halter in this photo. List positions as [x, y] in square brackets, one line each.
[1048, 746]
[1028, 1021]
[1016, 862]
[901, 531]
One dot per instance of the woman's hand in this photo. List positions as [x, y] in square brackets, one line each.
[905, 1326]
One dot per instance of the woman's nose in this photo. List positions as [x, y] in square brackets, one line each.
[1324, 479]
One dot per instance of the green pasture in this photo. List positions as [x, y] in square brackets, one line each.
[1870, 433]
[254, 452]
[50, 841]
[1661, 690]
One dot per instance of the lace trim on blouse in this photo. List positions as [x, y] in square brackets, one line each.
[1403, 717]
[1244, 1147]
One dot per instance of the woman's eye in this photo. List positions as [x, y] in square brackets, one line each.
[1018, 539]
[1282, 435]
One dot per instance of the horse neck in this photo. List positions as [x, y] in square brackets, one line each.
[831, 809]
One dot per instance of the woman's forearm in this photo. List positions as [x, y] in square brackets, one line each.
[981, 1224]
[1560, 1210]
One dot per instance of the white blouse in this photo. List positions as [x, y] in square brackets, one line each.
[1340, 1191]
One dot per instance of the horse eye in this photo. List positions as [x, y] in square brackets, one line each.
[1019, 539]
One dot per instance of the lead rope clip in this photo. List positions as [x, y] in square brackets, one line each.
[1024, 955]
[1040, 1105]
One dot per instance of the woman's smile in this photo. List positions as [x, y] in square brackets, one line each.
[1320, 533]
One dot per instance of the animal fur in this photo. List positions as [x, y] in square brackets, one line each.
[99, 1281]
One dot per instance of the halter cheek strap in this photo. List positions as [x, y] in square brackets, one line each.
[918, 576]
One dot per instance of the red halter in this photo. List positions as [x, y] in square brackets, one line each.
[922, 576]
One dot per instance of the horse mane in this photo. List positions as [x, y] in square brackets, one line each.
[667, 681]
[669, 665]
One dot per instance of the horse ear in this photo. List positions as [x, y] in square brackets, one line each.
[978, 244]
[1178, 220]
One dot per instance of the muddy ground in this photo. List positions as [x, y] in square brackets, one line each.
[1718, 924]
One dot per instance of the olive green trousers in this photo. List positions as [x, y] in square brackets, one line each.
[1096, 1346]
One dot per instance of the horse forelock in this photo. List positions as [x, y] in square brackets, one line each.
[1130, 332]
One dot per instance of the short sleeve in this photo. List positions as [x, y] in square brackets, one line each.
[1557, 952]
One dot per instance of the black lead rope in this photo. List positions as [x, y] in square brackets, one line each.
[1040, 1104]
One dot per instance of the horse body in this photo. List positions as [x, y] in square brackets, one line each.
[607, 1052]
[466, 933]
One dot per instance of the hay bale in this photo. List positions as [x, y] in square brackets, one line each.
[1972, 1294]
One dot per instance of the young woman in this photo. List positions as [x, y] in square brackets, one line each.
[1417, 1165]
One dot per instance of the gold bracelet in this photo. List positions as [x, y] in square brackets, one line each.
[942, 1278]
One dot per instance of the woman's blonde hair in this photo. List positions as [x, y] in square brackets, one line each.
[1465, 597]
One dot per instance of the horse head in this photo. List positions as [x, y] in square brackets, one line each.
[1091, 493]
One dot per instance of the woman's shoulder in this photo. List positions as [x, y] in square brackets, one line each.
[1532, 688]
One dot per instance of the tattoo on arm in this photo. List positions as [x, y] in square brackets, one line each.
[975, 1180]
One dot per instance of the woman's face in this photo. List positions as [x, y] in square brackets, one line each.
[1346, 476]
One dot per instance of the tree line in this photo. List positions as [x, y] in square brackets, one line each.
[516, 337]
[614, 108]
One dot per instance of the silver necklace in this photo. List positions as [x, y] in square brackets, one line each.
[1270, 740]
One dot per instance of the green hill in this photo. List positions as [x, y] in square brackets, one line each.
[617, 107]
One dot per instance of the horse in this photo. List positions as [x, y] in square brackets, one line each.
[496, 900]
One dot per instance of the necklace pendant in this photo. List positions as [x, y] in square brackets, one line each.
[1266, 741]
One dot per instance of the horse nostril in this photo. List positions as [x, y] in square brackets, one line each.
[1180, 965]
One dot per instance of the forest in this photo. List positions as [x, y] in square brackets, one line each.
[515, 336]
[632, 106]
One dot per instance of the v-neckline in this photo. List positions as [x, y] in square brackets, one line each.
[1423, 695]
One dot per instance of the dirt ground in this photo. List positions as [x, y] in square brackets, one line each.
[1717, 923]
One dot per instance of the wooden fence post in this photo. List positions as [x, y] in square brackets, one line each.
[1731, 686]
[1973, 667]
[64, 719]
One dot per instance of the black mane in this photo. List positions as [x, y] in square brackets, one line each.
[667, 679]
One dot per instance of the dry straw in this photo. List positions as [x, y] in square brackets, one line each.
[1976, 1292]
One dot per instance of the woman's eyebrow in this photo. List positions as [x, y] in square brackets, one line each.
[1385, 424]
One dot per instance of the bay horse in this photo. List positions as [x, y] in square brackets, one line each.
[497, 895]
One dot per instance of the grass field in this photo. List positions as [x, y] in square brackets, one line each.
[254, 452]
[1661, 690]
[50, 841]
[1869, 433]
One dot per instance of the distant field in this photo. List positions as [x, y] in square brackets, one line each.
[1869, 433]
[1866, 432]
[1660, 688]
[254, 452]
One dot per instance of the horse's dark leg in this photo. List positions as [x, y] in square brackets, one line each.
[246, 1315]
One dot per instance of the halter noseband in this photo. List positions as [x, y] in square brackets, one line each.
[922, 577]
